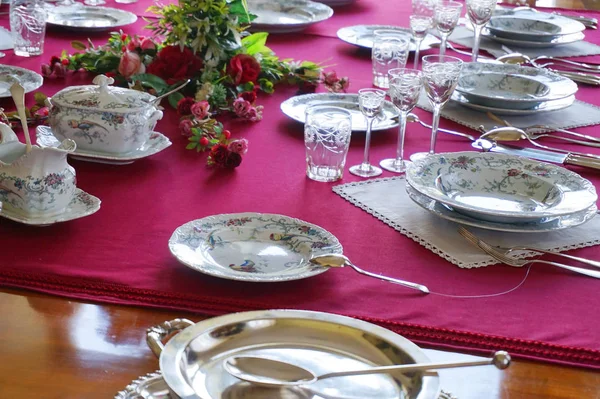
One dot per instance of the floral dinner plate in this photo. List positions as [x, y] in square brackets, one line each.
[286, 16]
[252, 247]
[11, 74]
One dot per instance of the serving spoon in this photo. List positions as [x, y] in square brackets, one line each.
[276, 373]
[181, 86]
[414, 118]
[339, 260]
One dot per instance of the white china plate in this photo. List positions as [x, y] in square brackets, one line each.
[155, 144]
[512, 87]
[547, 106]
[192, 360]
[10, 75]
[532, 27]
[285, 16]
[252, 247]
[362, 36]
[90, 18]
[82, 204]
[558, 41]
[336, 3]
[546, 225]
[499, 187]
[295, 107]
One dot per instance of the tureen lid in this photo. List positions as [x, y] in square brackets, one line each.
[101, 96]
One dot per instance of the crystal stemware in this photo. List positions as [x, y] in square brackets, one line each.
[390, 50]
[441, 73]
[445, 16]
[479, 13]
[419, 24]
[94, 2]
[405, 87]
[370, 102]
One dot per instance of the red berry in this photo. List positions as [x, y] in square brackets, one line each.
[203, 141]
[226, 133]
[65, 61]
[123, 37]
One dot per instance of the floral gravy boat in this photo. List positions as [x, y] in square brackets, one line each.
[38, 183]
[102, 118]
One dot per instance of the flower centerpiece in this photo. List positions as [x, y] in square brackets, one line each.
[206, 42]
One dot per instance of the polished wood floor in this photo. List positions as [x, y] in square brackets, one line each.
[53, 348]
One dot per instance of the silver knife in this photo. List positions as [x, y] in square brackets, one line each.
[538, 154]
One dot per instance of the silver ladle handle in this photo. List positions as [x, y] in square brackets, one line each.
[408, 284]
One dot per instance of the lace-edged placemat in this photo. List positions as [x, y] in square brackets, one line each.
[387, 200]
[464, 37]
[577, 115]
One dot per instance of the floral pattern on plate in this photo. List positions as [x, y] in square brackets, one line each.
[501, 188]
[252, 246]
[12, 74]
[82, 204]
[532, 27]
[155, 144]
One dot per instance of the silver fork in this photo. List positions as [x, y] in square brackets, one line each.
[497, 254]
[584, 138]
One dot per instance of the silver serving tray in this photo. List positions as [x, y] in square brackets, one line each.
[286, 16]
[362, 36]
[295, 107]
[192, 361]
[89, 18]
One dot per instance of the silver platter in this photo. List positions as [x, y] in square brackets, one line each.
[296, 106]
[550, 224]
[192, 361]
[286, 16]
[362, 36]
[89, 18]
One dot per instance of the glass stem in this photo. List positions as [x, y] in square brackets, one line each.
[477, 29]
[401, 134]
[417, 51]
[437, 108]
[368, 141]
[443, 45]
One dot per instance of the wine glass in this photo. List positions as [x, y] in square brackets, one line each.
[94, 2]
[445, 16]
[419, 24]
[479, 13]
[370, 102]
[440, 73]
[405, 87]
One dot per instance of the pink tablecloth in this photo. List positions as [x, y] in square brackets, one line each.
[120, 254]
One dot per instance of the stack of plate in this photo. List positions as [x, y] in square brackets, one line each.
[534, 29]
[501, 192]
[512, 89]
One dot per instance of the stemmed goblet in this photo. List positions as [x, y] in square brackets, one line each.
[445, 16]
[370, 102]
[419, 24]
[440, 73]
[405, 87]
[479, 13]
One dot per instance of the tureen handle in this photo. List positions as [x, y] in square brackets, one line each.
[103, 81]
[156, 334]
[7, 135]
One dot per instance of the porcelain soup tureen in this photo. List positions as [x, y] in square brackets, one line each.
[35, 183]
[102, 118]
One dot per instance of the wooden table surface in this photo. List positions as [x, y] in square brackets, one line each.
[54, 348]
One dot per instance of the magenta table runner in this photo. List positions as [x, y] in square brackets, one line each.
[120, 254]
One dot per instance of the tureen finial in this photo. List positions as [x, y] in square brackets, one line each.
[103, 81]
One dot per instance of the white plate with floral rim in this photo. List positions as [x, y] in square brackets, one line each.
[295, 108]
[557, 41]
[10, 75]
[255, 247]
[541, 226]
[548, 106]
[362, 36]
[501, 188]
[532, 27]
[82, 204]
[286, 16]
[155, 144]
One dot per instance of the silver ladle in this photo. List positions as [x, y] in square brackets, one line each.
[339, 260]
[510, 133]
[276, 373]
[181, 86]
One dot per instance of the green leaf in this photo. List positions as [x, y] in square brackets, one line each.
[153, 81]
[77, 45]
[174, 98]
[238, 8]
[255, 43]
[191, 146]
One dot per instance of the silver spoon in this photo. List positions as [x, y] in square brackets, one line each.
[276, 373]
[415, 118]
[181, 86]
[338, 260]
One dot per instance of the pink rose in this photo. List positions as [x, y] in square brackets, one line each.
[200, 109]
[254, 114]
[46, 70]
[147, 44]
[130, 64]
[238, 146]
[59, 69]
[133, 43]
[186, 126]
[241, 107]
[330, 78]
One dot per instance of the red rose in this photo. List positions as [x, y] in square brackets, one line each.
[233, 160]
[174, 65]
[219, 154]
[249, 96]
[184, 106]
[243, 68]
